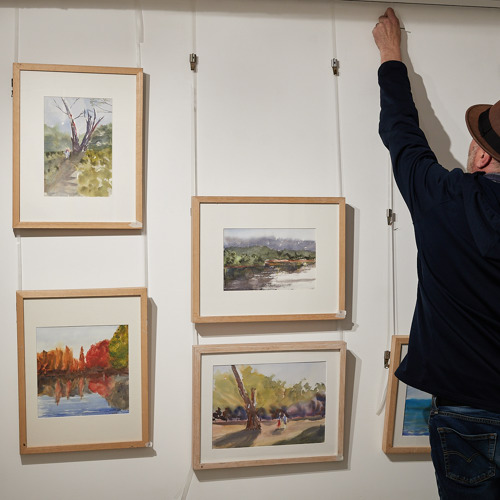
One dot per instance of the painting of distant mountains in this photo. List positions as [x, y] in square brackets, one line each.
[269, 258]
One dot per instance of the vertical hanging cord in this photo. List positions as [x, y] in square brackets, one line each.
[139, 40]
[194, 187]
[391, 280]
[337, 107]
[18, 235]
[393, 261]
[337, 124]
[194, 133]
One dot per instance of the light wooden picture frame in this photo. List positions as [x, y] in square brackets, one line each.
[77, 147]
[82, 369]
[267, 259]
[268, 404]
[406, 409]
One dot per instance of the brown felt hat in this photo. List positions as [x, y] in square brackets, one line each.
[483, 122]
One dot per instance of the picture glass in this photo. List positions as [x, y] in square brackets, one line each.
[82, 370]
[269, 259]
[78, 146]
[268, 404]
[273, 405]
[78, 142]
[83, 381]
[258, 259]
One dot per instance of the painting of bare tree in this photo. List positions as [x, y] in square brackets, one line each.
[268, 404]
[78, 146]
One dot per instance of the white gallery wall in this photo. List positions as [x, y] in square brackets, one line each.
[263, 116]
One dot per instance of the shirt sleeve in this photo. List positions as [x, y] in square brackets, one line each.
[420, 179]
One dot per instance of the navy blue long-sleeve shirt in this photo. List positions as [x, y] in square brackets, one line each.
[454, 349]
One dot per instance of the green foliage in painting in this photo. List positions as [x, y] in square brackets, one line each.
[257, 255]
[118, 348]
[94, 173]
[270, 393]
[102, 137]
[55, 140]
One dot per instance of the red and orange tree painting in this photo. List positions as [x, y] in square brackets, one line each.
[105, 356]
[94, 383]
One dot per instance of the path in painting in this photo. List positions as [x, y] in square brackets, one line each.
[301, 431]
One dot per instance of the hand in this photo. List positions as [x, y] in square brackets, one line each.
[387, 36]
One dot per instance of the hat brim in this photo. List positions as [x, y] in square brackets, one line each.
[472, 121]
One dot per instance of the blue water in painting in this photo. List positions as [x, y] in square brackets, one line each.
[416, 417]
[89, 404]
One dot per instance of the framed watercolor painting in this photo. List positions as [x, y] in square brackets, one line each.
[268, 404]
[83, 369]
[268, 259]
[77, 147]
[407, 409]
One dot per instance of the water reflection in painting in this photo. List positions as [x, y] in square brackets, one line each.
[94, 383]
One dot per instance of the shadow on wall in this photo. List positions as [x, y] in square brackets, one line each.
[437, 137]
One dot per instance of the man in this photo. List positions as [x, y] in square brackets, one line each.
[454, 349]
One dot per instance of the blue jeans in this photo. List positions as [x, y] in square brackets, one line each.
[465, 452]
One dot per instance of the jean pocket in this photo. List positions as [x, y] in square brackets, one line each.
[468, 458]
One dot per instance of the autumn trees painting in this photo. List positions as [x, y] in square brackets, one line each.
[106, 355]
[94, 382]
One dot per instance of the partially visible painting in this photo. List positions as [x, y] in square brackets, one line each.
[406, 410]
[416, 414]
[258, 404]
[269, 404]
[77, 146]
[83, 369]
[269, 259]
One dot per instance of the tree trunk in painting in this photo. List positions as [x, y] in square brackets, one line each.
[253, 422]
[92, 122]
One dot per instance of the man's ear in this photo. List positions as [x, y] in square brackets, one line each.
[483, 159]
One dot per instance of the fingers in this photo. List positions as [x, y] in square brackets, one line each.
[390, 16]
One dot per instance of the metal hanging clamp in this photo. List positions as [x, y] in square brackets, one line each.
[335, 66]
[391, 217]
[387, 358]
[193, 61]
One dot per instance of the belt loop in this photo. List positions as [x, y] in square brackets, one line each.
[434, 407]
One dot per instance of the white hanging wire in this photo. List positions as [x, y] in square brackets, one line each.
[340, 188]
[392, 317]
[18, 235]
[194, 181]
[194, 128]
[337, 107]
[139, 40]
